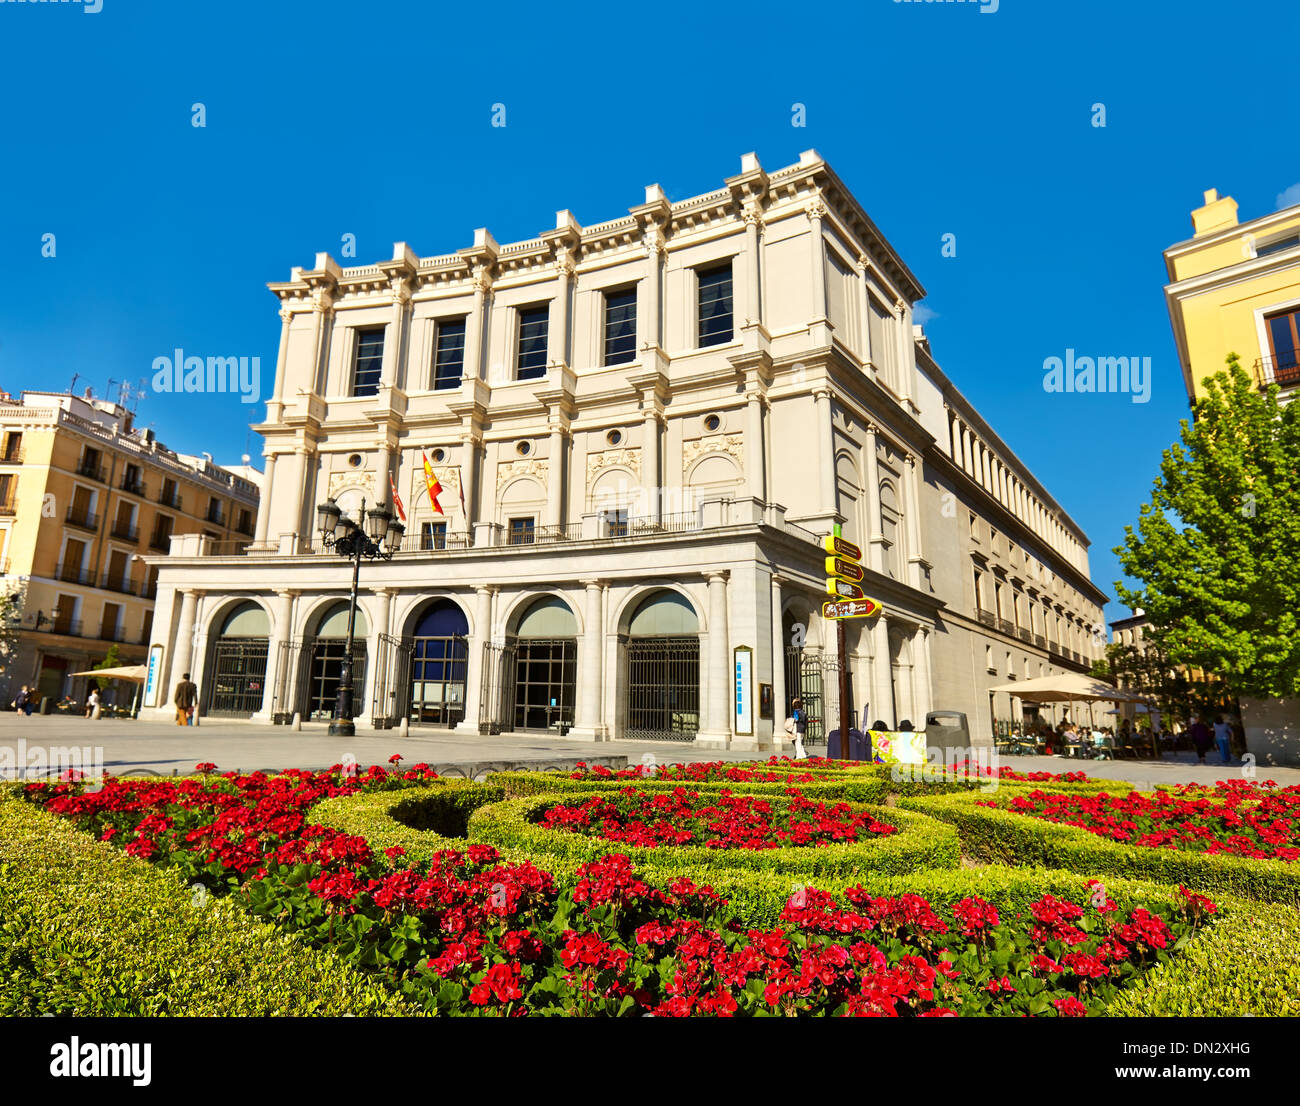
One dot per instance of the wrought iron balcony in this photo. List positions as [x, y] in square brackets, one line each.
[82, 519]
[1281, 369]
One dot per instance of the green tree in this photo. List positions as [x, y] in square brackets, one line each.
[111, 660]
[11, 619]
[1217, 550]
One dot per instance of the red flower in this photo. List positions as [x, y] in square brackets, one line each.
[1070, 1007]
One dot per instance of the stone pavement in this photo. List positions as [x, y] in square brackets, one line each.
[159, 747]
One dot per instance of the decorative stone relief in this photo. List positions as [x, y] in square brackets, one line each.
[508, 470]
[731, 444]
[348, 481]
[611, 458]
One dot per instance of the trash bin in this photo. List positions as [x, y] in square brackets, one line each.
[46, 706]
[946, 729]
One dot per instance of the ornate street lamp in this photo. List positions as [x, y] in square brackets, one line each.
[378, 539]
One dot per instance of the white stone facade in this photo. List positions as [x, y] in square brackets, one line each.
[706, 461]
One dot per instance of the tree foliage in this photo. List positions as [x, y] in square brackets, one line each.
[1217, 550]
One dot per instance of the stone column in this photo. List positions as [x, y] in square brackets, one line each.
[374, 655]
[923, 690]
[475, 325]
[469, 478]
[650, 487]
[477, 645]
[816, 210]
[648, 306]
[875, 550]
[555, 477]
[183, 655]
[778, 666]
[755, 484]
[322, 309]
[558, 338]
[903, 690]
[717, 710]
[912, 520]
[882, 706]
[825, 430]
[264, 501]
[393, 340]
[274, 693]
[753, 212]
[282, 359]
[588, 725]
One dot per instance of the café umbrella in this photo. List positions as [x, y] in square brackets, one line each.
[1068, 687]
[134, 673]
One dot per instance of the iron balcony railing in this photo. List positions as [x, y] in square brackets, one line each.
[110, 583]
[988, 618]
[1023, 634]
[1007, 626]
[91, 471]
[8, 507]
[170, 497]
[126, 531]
[70, 575]
[1282, 369]
[133, 484]
[85, 520]
[12, 457]
[161, 542]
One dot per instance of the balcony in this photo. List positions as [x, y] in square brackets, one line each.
[161, 541]
[989, 619]
[126, 531]
[66, 627]
[1040, 641]
[170, 497]
[1052, 646]
[133, 485]
[71, 575]
[214, 516]
[92, 471]
[1282, 369]
[109, 583]
[12, 457]
[112, 633]
[1007, 627]
[1023, 634]
[82, 519]
[8, 507]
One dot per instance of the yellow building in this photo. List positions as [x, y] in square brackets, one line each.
[1235, 288]
[84, 495]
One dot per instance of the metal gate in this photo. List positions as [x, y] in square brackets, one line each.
[320, 670]
[816, 676]
[545, 680]
[497, 689]
[437, 672]
[392, 679]
[238, 677]
[663, 689]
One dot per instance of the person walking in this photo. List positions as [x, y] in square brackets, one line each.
[187, 695]
[23, 703]
[797, 726]
[92, 701]
[1201, 737]
[1223, 737]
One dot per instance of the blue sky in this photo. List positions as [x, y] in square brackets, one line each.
[327, 118]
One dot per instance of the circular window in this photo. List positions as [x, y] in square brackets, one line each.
[523, 449]
[614, 437]
[439, 454]
[712, 423]
[355, 460]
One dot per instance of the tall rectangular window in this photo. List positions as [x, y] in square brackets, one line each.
[521, 531]
[433, 535]
[979, 590]
[1284, 340]
[13, 446]
[534, 324]
[449, 353]
[714, 305]
[620, 326]
[369, 362]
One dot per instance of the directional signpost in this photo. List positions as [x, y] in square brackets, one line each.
[843, 576]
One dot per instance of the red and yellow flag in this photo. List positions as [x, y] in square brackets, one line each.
[431, 482]
[397, 499]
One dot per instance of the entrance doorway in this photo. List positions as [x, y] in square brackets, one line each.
[238, 678]
[324, 654]
[545, 663]
[663, 670]
[439, 660]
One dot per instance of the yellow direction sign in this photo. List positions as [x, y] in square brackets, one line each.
[844, 570]
[842, 590]
[841, 548]
[860, 608]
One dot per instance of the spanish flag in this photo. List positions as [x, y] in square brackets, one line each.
[431, 482]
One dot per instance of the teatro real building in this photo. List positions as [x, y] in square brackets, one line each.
[642, 429]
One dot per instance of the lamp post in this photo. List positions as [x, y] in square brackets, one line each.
[377, 537]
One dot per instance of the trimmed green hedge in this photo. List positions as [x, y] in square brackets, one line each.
[1247, 963]
[88, 931]
[920, 843]
[1001, 837]
[420, 820]
[828, 787]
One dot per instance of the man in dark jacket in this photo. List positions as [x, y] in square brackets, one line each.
[1201, 737]
[187, 695]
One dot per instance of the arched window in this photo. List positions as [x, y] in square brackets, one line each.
[890, 527]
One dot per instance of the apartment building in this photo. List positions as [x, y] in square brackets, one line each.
[643, 428]
[84, 497]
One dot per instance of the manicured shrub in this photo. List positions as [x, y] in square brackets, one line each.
[823, 786]
[86, 931]
[997, 836]
[919, 843]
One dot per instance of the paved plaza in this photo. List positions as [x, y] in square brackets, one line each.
[156, 747]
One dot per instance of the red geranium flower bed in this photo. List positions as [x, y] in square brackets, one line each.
[1234, 819]
[715, 821]
[700, 772]
[468, 933]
